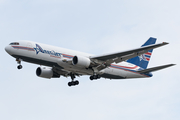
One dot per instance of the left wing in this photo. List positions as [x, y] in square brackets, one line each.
[155, 68]
[106, 60]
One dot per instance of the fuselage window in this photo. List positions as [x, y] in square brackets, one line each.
[14, 43]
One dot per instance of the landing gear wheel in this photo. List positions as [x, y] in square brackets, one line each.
[69, 84]
[73, 83]
[91, 77]
[94, 77]
[19, 62]
[19, 66]
[76, 82]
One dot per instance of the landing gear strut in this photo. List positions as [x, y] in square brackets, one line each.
[19, 62]
[73, 83]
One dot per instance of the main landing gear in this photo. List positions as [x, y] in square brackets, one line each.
[94, 77]
[73, 83]
[19, 62]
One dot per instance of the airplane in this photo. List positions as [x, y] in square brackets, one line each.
[55, 61]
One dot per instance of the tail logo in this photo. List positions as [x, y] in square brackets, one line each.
[145, 56]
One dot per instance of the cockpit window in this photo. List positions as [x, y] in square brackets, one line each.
[14, 43]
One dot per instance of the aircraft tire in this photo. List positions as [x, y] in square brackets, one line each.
[91, 77]
[19, 66]
[69, 84]
[76, 82]
[73, 83]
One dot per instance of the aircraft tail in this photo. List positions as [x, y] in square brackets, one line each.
[143, 59]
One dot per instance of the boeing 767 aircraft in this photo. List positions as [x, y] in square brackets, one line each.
[64, 62]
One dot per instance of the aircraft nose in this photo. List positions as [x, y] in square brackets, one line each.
[7, 49]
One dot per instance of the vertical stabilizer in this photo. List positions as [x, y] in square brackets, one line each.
[143, 59]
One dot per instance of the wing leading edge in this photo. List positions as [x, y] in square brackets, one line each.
[130, 53]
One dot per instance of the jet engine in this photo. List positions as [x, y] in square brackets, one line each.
[81, 61]
[46, 73]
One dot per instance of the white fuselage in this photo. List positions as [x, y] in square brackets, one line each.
[52, 56]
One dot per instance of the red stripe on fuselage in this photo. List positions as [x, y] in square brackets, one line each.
[67, 56]
[24, 48]
[54, 56]
[124, 66]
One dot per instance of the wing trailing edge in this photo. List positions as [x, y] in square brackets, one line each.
[155, 68]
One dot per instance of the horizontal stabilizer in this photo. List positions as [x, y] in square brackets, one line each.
[155, 68]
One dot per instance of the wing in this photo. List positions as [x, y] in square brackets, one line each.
[106, 60]
[58, 71]
[155, 68]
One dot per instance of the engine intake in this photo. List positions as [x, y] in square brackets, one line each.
[46, 73]
[81, 61]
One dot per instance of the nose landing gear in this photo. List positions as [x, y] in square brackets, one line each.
[19, 62]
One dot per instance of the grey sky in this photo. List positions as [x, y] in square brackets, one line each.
[96, 27]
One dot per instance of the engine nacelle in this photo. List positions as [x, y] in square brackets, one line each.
[46, 73]
[81, 61]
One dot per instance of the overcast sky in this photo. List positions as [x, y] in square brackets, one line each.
[96, 27]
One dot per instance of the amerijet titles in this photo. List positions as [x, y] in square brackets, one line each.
[52, 52]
